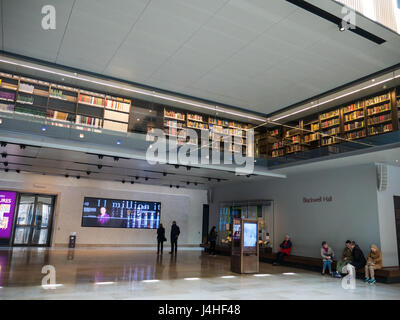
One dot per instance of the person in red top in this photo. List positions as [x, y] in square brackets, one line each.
[286, 247]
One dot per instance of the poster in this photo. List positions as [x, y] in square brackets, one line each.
[7, 205]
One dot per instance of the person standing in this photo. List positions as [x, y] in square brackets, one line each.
[175, 231]
[160, 239]
[213, 240]
[286, 247]
[374, 261]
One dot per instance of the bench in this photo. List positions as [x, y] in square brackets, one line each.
[386, 274]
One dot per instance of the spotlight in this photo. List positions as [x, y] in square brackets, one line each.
[67, 175]
[99, 166]
[218, 180]
[116, 158]
[4, 155]
[248, 176]
[132, 182]
[341, 27]
[164, 174]
[17, 171]
[195, 183]
[6, 170]
[170, 185]
[137, 178]
[78, 177]
[22, 146]
[123, 181]
[118, 141]
[177, 187]
[5, 164]
[100, 156]
[146, 178]
[4, 144]
[188, 168]
[44, 128]
[188, 183]
[176, 166]
[88, 173]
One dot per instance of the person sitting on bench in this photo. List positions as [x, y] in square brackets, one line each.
[286, 247]
[358, 260]
[374, 261]
[327, 255]
[346, 258]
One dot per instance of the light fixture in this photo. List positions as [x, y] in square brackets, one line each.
[137, 178]
[88, 172]
[81, 135]
[191, 279]
[176, 166]
[146, 178]
[4, 155]
[44, 128]
[51, 286]
[118, 141]
[3, 144]
[188, 168]
[132, 182]
[116, 159]
[187, 182]
[164, 174]
[341, 27]
[5, 164]
[67, 175]
[6, 170]
[100, 156]
[104, 283]
[99, 166]
[17, 171]
[177, 187]
[262, 275]
[78, 177]
[150, 281]
[123, 181]
[228, 277]
[195, 183]
[22, 146]
[170, 185]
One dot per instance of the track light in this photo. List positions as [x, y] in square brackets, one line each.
[78, 177]
[209, 179]
[5, 164]
[123, 181]
[116, 158]
[170, 185]
[188, 183]
[67, 175]
[176, 166]
[17, 171]
[4, 144]
[88, 172]
[99, 166]
[195, 183]
[22, 146]
[146, 178]
[4, 155]
[137, 178]
[132, 182]
[100, 156]
[248, 176]
[177, 187]
[164, 174]
[6, 170]
[341, 27]
[44, 128]
[188, 168]
[218, 180]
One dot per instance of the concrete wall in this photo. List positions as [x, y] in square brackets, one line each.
[352, 213]
[387, 222]
[183, 205]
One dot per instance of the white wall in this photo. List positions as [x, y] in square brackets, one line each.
[183, 205]
[353, 213]
[387, 221]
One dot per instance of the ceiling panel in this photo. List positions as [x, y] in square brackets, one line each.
[23, 32]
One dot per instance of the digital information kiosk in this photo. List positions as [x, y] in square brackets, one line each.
[245, 255]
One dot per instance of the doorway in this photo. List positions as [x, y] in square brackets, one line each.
[34, 220]
[397, 217]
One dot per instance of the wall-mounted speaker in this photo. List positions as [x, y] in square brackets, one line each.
[382, 176]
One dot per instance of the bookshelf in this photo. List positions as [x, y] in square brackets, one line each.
[330, 123]
[379, 114]
[354, 125]
[63, 103]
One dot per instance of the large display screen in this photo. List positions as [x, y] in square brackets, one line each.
[7, 205]
[112, 213]
[249, 235]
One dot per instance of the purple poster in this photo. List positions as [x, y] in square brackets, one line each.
[7, 204]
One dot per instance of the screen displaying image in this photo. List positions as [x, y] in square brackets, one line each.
[249, 234]
[112, 213]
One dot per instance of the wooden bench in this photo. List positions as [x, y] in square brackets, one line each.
[386, 275]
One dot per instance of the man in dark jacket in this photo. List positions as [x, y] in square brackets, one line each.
[213, 240]
[175, 231]
[160, 238]
[358, 256]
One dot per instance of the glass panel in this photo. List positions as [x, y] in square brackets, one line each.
[39, 236]
[43, 211]
[25, 210]
[21, 235]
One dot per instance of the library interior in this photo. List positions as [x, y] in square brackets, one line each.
[223, 149]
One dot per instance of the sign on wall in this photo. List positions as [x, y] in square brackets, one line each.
[7, 205]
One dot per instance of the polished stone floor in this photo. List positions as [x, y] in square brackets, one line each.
[137, 273]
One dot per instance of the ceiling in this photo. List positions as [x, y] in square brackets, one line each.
[258, 55]
[61, 162]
